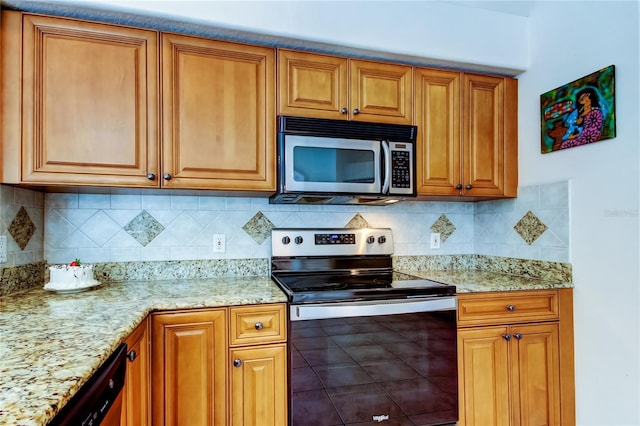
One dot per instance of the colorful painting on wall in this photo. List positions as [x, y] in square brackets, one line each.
[579, 113]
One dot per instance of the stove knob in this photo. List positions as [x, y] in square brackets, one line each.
[298, 240]
[371, 239]
[286, 240]
[382, 239]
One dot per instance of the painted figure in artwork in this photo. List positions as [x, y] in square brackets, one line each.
[587, 121]
[558, 133]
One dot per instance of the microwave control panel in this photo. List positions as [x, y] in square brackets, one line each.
[401, 168]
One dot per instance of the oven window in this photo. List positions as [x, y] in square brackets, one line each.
[314, 164]
[401, 368]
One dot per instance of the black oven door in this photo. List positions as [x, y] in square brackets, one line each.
[392, 362]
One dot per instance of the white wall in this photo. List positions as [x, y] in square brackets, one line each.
[570, 40]
[413, 28]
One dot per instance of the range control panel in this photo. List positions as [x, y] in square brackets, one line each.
[336, 238]
[331, 242]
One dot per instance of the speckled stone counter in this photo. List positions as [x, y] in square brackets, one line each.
[50, 344]
[473, 281]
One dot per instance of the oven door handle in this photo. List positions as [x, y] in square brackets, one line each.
[369, 308]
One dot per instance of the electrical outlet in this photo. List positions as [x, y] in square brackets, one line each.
[3, 248]
[435, 240]
[219, 245]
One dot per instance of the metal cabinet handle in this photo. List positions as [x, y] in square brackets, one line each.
[507, 337]
[459, 186]
[132, 355]
[356, 111]
[166, 176]
[518, 336]
[344, 111]
[259, 326]
[511, 308]
[151, 176]
[468, 186]
[237, 362]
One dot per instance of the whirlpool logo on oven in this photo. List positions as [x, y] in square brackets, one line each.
[381, 418]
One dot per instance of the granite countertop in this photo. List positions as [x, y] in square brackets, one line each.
[473, 281]
[50, 344]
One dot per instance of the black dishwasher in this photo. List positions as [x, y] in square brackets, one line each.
[99, 400]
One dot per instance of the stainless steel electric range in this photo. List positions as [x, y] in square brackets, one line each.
[366, 344]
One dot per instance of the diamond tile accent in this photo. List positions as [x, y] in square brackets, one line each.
[259, 228]
[444, 226]
[144, 228]
[530, 227]
[358, 222]
[22, 228]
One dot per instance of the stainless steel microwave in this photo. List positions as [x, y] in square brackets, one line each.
[323, 161]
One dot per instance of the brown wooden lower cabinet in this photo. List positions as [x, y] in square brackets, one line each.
[258, 385]
[136, 393]
[189, 367]
[198, 379]
[515, 368]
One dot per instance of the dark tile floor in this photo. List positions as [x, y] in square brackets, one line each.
[355, 371]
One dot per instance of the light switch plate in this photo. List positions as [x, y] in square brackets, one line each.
[435, 240]
[219, 243]
[3, 248]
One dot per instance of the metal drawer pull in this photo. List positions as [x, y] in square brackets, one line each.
[259, 326]
[507, 337]
[518, 336]
[237, 362]
[511, 308]
[132, 355]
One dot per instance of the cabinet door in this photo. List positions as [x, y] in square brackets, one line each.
[489, 136]
[437, 115]
[259, 386]
[189, 351]
[536, 376]
[218, 114]
[312, 85]
[483, 376]
[88, 104]
[380, 92]
[135, 408]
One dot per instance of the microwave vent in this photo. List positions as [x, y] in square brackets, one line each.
[320, 127]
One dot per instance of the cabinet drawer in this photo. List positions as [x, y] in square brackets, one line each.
[507, 307]
[258, 324]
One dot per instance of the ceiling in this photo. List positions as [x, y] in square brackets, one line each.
[511, 7]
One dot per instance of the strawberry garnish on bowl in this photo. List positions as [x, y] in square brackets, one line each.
[75, 263]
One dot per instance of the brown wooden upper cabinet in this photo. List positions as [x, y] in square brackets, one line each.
[467, 134]
[82, 107]
[218, 114]
[324, 86]
[79, 102]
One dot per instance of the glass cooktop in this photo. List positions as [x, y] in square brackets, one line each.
[338, 287]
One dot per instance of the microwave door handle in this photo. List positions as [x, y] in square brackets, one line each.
[387, 167]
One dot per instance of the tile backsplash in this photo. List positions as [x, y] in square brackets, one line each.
[160, 226]
[533, 226]
[22, 223]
